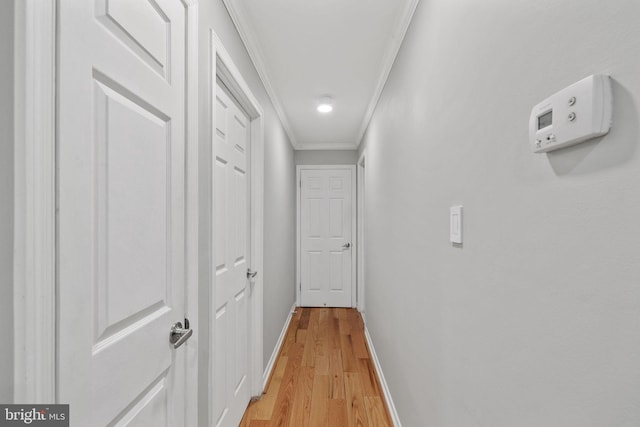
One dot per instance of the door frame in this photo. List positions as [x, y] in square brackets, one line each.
[361, 179]
[221, 65]
[34, 282]
[354, 244]
[35, 239]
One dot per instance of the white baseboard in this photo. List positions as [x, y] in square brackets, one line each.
[385, 388]
[276, 350]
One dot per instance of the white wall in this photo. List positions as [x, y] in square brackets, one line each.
[326, 157]
[279, 235]
[6, 201]
[535, 320]
[279, 179]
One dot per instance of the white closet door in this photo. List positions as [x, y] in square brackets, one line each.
[326, 231]
[121, 224]
[231, 234]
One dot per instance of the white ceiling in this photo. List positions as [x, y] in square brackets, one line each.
[304, 49]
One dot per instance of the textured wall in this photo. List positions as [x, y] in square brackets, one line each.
[535, 320]
[6, 200]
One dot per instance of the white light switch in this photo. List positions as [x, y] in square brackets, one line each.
[455, 224]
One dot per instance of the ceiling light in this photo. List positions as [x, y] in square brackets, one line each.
[325, 105]
[325, 108]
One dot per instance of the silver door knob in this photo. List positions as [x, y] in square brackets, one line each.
[251, 274]
[346, 246]
[178, 335]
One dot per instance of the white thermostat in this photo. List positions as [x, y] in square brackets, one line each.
[575, 114]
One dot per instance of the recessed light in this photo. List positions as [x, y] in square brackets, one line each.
[325, 105]
[325, 108]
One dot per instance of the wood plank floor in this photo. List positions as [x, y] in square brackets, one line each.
[324, 376]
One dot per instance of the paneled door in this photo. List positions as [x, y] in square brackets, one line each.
[231, 237]
[326, 236]
[121, 222]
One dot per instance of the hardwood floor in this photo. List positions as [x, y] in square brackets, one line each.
[324, 376]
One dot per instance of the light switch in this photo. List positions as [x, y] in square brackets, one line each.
[455, 224]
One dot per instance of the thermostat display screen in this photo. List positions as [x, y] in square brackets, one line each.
[545, 120]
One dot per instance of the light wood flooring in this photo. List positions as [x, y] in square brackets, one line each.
[324, 376]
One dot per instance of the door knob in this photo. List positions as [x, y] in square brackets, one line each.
[251, 274]
[178, 335]
[346, 246]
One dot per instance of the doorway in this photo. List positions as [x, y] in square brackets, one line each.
[232, 212]
[121, 225]
[326, 236]
[361, 192]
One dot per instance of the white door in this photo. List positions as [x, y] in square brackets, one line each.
[326, 246]
[231, 385]
[121, 223]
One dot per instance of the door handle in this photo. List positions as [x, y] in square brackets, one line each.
[178, 335]
[251, 274]
[346, 246]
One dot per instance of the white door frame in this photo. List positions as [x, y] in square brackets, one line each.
[361, 236]
[223, 67]
[299, 169]
[192, 210]
[35, 246]
[35, 199]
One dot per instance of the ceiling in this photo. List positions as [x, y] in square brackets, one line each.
[307, 49]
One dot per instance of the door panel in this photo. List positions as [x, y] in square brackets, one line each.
[336, 269]
[325, 227]
[131, 210]
[142, 26]
[121, 219]
[231, 258]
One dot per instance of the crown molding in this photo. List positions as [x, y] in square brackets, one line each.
[402, 26]
[327, 146]
[249, 40]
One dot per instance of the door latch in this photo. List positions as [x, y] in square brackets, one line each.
[179, 335]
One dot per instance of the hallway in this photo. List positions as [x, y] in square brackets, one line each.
[180, 178]
[324, 375]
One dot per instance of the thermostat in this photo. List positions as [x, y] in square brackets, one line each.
[576, 114]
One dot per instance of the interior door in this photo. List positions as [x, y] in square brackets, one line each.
[121, 223]
[231, 234]
[326, 219]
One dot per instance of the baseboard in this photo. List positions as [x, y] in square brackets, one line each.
[276, 350]
[385, 388]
